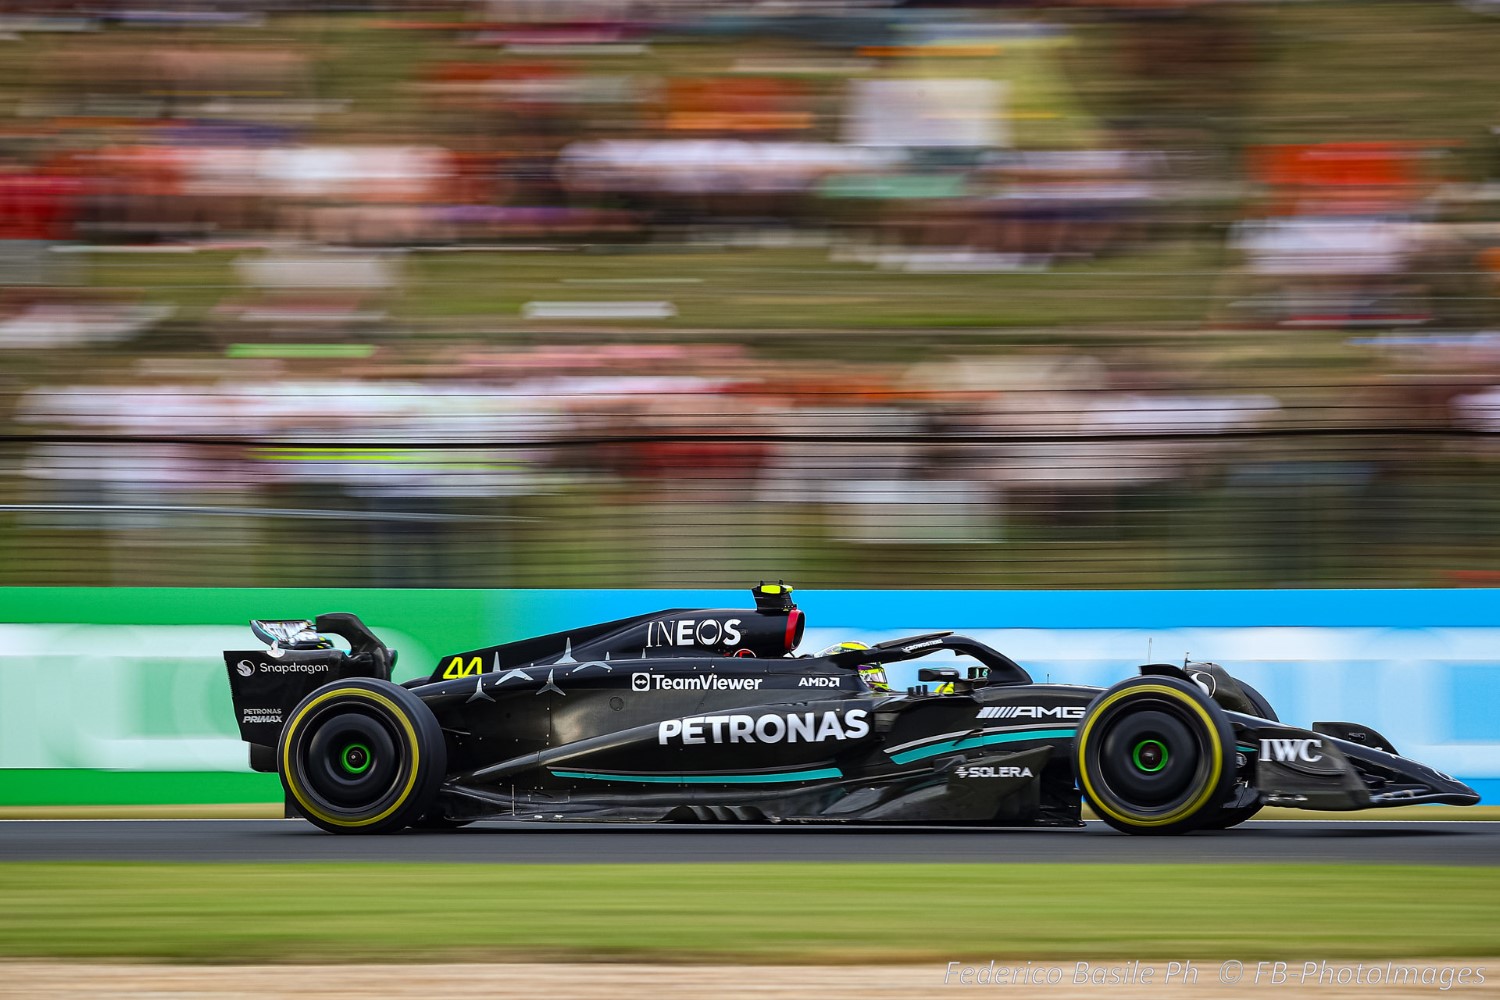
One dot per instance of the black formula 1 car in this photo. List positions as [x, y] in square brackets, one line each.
[706, 715]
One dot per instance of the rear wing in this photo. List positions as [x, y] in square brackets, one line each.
[266, 684]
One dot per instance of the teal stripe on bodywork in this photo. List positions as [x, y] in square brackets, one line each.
[707, 779]
[970, 742]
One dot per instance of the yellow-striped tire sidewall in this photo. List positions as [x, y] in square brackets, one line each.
[1185, 811]
[289, 738]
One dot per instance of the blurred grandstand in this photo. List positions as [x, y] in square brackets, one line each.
[563, 293]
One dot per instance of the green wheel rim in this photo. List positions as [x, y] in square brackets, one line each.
[356, 758]
[1135, 755]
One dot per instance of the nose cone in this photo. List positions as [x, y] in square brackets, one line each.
[1447, 790]
[1460, 795]
[1414, 783]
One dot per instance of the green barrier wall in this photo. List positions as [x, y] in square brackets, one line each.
[118, 696]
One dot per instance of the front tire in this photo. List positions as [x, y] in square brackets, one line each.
[362, 756]
[1155, 755]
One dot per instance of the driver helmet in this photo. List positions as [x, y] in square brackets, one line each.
[872, 674]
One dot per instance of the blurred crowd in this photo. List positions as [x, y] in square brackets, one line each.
[225, 356]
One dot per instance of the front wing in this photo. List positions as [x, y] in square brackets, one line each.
[1315, 769]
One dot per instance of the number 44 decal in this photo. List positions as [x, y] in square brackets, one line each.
[458, 668]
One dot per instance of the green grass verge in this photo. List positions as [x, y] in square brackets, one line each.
[742, 912]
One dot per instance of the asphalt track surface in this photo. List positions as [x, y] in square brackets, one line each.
[1306, 841]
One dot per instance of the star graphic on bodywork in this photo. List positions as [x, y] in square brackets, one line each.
[479, 694]
[550, 686]
[567, 656]
[593, 663]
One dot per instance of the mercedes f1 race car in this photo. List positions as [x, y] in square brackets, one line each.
[708, 716]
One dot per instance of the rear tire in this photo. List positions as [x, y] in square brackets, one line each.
[362, 756]
[1155, 755]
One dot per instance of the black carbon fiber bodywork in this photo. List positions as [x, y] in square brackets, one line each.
[705, 715]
